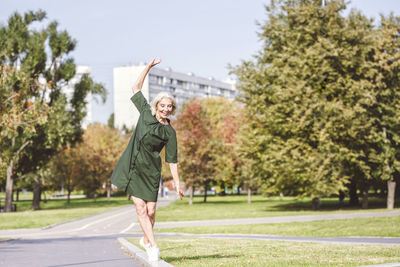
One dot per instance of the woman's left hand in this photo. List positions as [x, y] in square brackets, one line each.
[180, 192]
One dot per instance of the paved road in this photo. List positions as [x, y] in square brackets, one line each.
[115, 222]
[75, 251]
[91, 241]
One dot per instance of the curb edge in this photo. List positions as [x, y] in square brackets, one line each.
[140, 255]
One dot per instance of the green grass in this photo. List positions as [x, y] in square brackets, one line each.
[56, 211]
[380, 226]
[218, 252]
[229, 207]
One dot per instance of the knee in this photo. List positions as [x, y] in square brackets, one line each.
[151, 212]
[140, 210]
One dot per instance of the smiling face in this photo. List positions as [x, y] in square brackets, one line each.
[164, 108]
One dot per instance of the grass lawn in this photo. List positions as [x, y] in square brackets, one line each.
[380, 226]
[219, 252]
[229, 207]
[56, 211]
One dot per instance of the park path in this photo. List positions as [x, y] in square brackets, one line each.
[284, 219]
[90, 241]
[278, 219]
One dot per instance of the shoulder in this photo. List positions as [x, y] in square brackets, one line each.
[170, 130]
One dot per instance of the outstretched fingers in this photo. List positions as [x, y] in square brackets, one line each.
[154, 62]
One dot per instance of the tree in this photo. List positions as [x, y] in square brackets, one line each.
[225, 118]
[21, 59]
[103, 146]
[311, 98]
[206, 131]
[194, 141]
[20, 111]
[27, 49]
[110, 121]
[65, 168]
[88, 165]
[385, 76]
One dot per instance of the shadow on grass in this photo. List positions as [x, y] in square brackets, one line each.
[328, 205]
[198, 257]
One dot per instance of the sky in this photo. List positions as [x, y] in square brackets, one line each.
[198, 36]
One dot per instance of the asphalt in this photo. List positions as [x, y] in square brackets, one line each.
[90, 241]
[57, 252]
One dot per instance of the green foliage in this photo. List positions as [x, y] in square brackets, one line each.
[110, 121]
[45, 67]
[319, 95]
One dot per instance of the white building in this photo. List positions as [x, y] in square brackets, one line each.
[181, 86]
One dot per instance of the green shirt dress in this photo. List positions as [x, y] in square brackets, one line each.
[138, 171]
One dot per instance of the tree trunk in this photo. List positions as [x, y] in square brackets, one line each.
[365, 199]
[391, 194]
[353, 194]
[108, 190]
[205, 191]
[248, 195]
[37, 190]
[191, 190]
[9, 187]
[223, 193]
[18, 190]
[69, 189]
[10, 179]
[69, 195]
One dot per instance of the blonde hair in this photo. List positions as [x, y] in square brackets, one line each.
[158, 98]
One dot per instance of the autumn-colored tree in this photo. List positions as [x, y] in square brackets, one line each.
[226, 117]
[206, 130]
[88, 165]
[194, 143]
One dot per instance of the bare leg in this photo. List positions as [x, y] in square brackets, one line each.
[151, 212]
[144, 220]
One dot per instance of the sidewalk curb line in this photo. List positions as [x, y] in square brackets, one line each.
[140, 255]
[7, 240]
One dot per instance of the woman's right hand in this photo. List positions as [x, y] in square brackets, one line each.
[154, 62]
[137, 86]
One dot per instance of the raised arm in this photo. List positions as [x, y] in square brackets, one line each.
[174, 171]
[140, 80]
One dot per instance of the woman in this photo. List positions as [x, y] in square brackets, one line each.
[138, 171]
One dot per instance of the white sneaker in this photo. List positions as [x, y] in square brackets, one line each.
[143, 245]
[153, 253]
